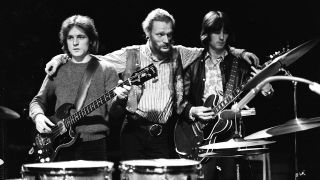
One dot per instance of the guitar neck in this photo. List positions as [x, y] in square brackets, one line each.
[235, 93]
[137, 78]
[71, 120]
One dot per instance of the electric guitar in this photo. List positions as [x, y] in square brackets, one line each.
[189, 136]
[47, 145]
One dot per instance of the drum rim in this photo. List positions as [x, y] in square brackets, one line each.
[189, 161]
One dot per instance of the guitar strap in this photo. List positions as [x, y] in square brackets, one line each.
[233, 75]
[85, 83]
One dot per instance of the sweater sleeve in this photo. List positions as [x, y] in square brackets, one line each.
[39, 103]
[111, 81]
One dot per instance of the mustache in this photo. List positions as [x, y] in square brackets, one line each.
[171, 43]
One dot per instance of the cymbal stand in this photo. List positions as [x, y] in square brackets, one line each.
[237, 136]
[2, 148]
[296, 170]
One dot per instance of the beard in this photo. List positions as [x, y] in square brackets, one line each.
[161, 50]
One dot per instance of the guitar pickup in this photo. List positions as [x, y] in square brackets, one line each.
[42, 141]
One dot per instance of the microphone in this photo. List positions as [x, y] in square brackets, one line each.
[313, 86]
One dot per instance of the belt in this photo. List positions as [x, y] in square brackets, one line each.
[154, 129]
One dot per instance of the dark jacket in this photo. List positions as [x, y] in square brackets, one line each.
[194, 80]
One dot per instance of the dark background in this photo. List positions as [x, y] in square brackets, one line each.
[30, 39]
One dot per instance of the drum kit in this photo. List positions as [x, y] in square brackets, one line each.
[178, 168]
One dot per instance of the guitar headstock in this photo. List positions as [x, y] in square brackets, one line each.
[143, 75]
[276, 54]
[279, 53]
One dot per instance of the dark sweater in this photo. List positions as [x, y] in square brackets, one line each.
[63, 88]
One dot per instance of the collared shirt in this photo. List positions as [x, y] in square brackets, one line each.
[156, 99]
[213, 82]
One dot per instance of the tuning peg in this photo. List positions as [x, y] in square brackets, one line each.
[155, 80]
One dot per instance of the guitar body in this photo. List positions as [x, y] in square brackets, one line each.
[47, 145]
[189, 136]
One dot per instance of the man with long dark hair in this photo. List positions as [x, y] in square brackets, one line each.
[214, 74]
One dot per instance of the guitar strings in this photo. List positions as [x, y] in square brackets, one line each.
[56, 129]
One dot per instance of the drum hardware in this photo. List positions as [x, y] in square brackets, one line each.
[1, 162]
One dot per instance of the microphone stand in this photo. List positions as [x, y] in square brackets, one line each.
[237, 137]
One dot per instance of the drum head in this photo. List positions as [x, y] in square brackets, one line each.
[68, 167]
[160, 166]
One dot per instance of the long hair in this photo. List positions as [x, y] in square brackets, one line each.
[213, 22]
[87, 25]
[156, 15]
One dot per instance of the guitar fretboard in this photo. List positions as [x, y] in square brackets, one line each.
[69, 121]
[226, 101]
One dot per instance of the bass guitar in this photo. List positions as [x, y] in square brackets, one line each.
[47, 145]
[189, 136]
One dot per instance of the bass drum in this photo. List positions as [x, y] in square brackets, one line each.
[68, 170]
[160, 169]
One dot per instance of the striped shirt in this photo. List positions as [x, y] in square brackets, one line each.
[156, 101]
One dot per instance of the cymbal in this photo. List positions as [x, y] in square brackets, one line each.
[235, 143]
[6, 113]
[235, 152]
[283, 60]
[1, 162]
[294, 125]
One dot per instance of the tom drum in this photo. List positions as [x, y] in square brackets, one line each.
[160, 169]
[68, 170]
